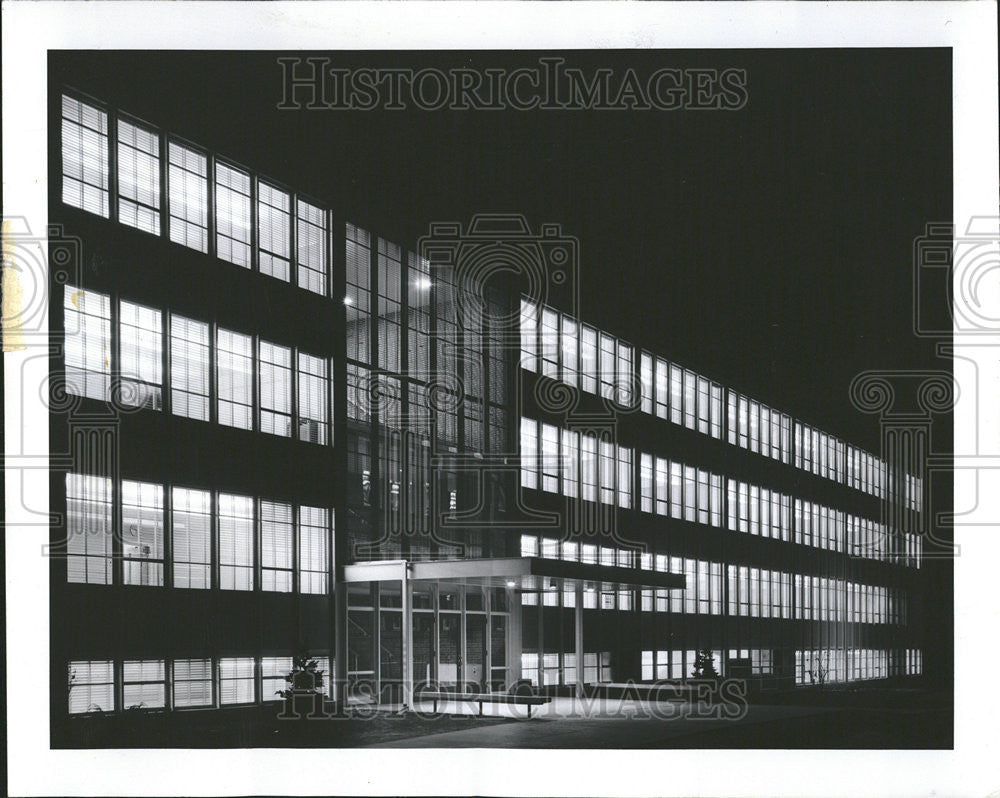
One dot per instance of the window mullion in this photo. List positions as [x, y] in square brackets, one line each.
[211, 247]
[168, 539]
[113, 164]
[254, 237]
[164, 184]
[293, 226]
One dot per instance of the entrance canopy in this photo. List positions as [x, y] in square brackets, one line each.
[518, 573]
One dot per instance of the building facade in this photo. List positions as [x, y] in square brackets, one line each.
[283, 432]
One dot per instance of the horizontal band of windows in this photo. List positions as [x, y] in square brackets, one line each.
[563, 348]
[194, 683]
[587, 466]
[749, 591]
[290, 238]
[258, 384]
[168, 536]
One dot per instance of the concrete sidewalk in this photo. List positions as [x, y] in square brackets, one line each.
[603, 724]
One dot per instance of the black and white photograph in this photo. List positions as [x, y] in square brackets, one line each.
[625, 399]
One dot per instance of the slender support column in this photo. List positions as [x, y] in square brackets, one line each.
[514, 639]
[340, 645]
[578, 638]
[407, 630]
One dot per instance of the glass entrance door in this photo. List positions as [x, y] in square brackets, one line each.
[450, 650]
[475, 651]
[423, 649]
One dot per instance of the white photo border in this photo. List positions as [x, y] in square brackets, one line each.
[31, 29]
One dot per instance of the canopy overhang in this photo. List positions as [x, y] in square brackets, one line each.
[519, 573]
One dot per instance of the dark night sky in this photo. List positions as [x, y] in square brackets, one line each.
[769, 248]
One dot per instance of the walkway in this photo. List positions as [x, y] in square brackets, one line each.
[596, 723]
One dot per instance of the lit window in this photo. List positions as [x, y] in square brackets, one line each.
[236, 680]
[91, 686]
[189, 363]
[716, 415]
[569, 335]
[754, 427]
[141, 331]
[138, 177]
[191, 522]
[607, 366]
[588, 360]
[192, 682]
[311, 244]
[676, 395]
[276, 546]
[570, 453]
[142, 533]
[646, 381]
[550, 343]
[690, 494]
[607, 472]
[235, 376]
[273, 671]
[646, 483]
[662, 389]
[144, 684]
[313, 398]
[624, 477]
[84, 156]
[676, 490]
[88, 529]
[703, 497]
[232, 215]
[187, 180]
[529, 336]
[550, 458]
[273, 230]
[731, 423]
[235, 542]
[690, 400]
[662, 486]
[87, 320]
[275, 389]
[529, 453]
[588, 468]
[623, 377]
[313, 549]
[358, 299]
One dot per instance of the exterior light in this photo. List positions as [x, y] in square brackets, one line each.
[424, 283]
[511, 583]
[348, 300]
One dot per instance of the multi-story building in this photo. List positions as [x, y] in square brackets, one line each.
[286, 432]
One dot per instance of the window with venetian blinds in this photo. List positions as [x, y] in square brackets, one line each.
[187, 178]
[232, 215]
[236, 533]
[191, 525]
[276, 541]
[138, 177]
[189, 368]
[311, 247]
[275, 363]
[141, 342]
[88, 529]
[313, 398]
[273, 230]
[234, 355]
[87, 323]
[85, 169]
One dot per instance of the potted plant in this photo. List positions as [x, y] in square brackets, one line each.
[305, 693]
